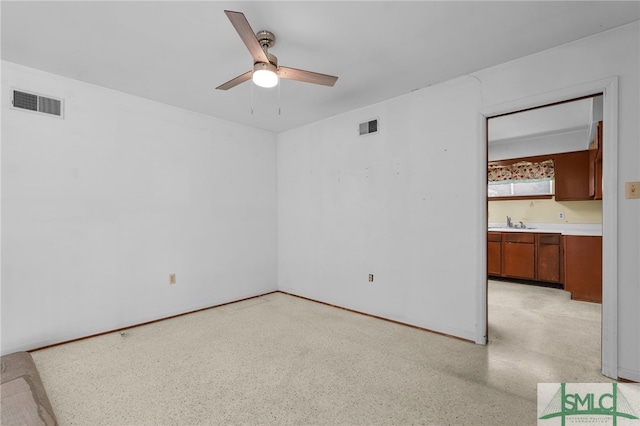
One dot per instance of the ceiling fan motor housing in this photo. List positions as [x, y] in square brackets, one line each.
[266, 38]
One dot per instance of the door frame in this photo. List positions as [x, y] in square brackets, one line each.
[609, 88]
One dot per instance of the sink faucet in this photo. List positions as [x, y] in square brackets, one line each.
[522, 225]
[509, 224]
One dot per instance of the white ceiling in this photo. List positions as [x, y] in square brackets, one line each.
[177, 52]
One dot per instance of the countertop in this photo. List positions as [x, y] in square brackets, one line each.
[587, 229]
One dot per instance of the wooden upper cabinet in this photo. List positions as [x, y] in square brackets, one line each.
[595, 165]
[579, 174]
[572, 176]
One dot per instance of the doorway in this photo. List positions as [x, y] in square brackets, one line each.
[609, 90]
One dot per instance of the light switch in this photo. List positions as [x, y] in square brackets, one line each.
[632, 190]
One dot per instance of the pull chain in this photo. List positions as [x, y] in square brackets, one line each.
[251, 82]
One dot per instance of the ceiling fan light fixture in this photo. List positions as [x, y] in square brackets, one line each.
[264, 75]
[266, 72]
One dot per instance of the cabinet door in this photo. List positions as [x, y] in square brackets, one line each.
[583, 267]
[549, 259]
[494, 253]
[572, 176]
[596, 155]
[518, 255]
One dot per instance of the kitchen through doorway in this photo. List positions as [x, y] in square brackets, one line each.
[544, 222]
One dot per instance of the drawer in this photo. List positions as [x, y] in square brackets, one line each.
[519, 237]
[549, 239]
[494, 236]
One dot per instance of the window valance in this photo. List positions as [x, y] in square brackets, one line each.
[523, 170]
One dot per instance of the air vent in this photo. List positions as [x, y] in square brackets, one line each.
[368, 127]
[37, 103]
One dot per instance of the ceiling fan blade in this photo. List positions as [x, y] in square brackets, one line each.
[247, 35]
[307, 76]
[235, 81]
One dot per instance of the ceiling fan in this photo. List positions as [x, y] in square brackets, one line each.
[266, 71]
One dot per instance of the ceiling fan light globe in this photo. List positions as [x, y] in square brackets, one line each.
[264, 75]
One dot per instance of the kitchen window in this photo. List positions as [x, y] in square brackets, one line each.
[522, 179]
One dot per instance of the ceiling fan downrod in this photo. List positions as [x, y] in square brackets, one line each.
[267, 40]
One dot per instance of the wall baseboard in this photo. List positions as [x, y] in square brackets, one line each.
[628, 376]
[115, 330]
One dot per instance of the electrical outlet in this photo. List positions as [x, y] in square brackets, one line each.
[632, 190]
[560, 215]
[370, 278]
[172, 278]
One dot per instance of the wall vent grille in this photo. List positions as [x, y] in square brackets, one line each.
[368, 127]
[37, 103]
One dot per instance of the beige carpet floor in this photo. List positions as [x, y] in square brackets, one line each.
[282, 360]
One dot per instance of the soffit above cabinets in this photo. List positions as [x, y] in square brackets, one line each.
[578, 116]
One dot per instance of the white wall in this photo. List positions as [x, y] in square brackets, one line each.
[613, 53]
[395, 204]
[408, 204]
[99, 207]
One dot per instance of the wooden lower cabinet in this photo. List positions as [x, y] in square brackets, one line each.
[572, 260]
[518, 255]
[583, 267]
[525, 255]
[548, 258]
[494, 253]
